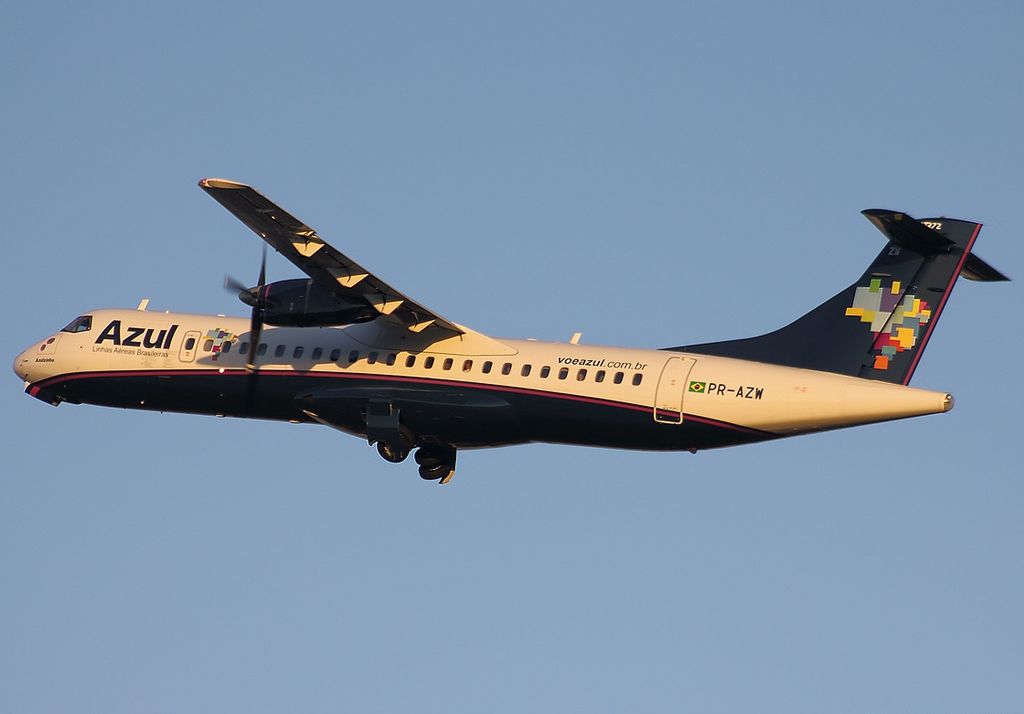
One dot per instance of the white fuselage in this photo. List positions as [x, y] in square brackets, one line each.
[671, 388]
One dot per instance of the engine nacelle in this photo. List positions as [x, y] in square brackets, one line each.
[303, 303]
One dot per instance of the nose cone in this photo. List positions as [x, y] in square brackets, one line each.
[20, 366]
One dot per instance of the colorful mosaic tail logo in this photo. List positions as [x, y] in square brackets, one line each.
[895, 319]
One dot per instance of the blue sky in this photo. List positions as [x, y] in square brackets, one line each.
[650, 174]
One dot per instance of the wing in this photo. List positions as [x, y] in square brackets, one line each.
[327, 266]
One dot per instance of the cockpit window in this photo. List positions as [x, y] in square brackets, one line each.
[79, 324]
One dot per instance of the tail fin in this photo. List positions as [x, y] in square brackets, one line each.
[878, 327]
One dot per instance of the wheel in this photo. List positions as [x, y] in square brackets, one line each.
[437, 463]
[396, 455]
[425, 456]
[435, 472]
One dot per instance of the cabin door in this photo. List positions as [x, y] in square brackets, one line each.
[668, 401]
[189, 345]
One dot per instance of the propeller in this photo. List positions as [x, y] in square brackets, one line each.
[255, 297]
[245, 293]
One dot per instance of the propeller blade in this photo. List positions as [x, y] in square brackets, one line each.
[251, 296]
[256, 298]
[255, 333]
[263, 268]
[235, 286]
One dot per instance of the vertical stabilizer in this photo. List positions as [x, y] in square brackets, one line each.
[878, 327]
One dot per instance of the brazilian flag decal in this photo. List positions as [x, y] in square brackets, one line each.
[699, 387]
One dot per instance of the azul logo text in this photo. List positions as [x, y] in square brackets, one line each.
[131, 336]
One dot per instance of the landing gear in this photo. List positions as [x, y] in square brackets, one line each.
[395, 440]
[437, 463]
[396, 452]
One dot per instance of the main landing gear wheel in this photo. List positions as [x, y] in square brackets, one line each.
[396, 453]
[437, 463]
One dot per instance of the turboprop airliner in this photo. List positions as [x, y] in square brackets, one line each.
[345, 349]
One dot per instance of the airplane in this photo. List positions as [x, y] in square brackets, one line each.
[345, 349]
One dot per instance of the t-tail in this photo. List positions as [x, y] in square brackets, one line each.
[878, 327]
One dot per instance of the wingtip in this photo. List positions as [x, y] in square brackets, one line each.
[219, 183]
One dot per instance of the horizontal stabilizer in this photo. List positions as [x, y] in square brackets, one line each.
[977, 269]
[926, 236]
[907, 232]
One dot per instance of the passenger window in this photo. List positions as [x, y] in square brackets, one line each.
[599, 377]
[353, 356]
[279, 351]
[506, 368]
[447, 363]
[297, 352]
[428, 363]
[410, 361]
[190, 343]
[242, 350]
[581, 375]
[467, 365]
[563, 373]
[618, 378]
[525, 371]
[335, 355]
[391, 358]
[261, 350]
[318, 352]
[544, 372]
[637, 378]
[208, 345]
[371, 358]
[487, 367]
[226, 347]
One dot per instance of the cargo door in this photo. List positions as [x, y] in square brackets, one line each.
[668, 401]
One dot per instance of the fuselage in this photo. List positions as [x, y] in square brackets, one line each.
[464, 392]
